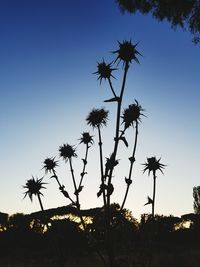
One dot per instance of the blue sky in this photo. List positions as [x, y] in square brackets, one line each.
[49, 50]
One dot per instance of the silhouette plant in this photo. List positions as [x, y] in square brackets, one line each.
[127, 54]
[153, 165]
[125, 119]
[97, 118]
[33, 187]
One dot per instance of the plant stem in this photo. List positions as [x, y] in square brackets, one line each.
[73, 178]
[154, 193]
[61, 187]
[40, 201]
[107, 209]
[119, 103]
[80, 215]
[102, 184]
[111, 87]
[42, 209]
[77, 195]
[84, 165]
[56, 177]
[132, 160]
[101, 164]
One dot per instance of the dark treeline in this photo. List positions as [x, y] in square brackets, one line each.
[56, 234]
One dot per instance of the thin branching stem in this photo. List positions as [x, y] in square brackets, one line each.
[76, 191]
[101, 164]
[111, 87]
[122, 133]
[117, 133]
[119, 104]
[61, 187]
[40, 201]
[77, 195]
[73, 177]
[56, 177]
[84, 165]
[132, 160]
[154, 193]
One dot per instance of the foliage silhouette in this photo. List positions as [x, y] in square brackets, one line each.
[184, 14]
[130, 237]
[19, 221]
[3, 221]
[196, 196]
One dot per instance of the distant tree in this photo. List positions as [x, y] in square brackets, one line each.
[181, 13]
[196, 196]
[19, 221]
[67, 235]
[162, 224]
[3, 221]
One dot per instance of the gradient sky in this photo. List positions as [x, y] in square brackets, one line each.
[48, 52]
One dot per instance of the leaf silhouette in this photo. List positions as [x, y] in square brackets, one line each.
[128, 181]
[114, 99]
[124, 140]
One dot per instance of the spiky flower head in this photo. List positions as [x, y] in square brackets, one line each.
[104, 71]
[67, 151]
[33, 187]
[153, 165]
[97, 117]
[86, 138]
[132, 114]
[50, 164]
[127, 52]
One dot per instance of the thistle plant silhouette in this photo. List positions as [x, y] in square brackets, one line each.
[125, 119]
[97, 118]
[127, 54]
[33, 187]
[153, 165]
